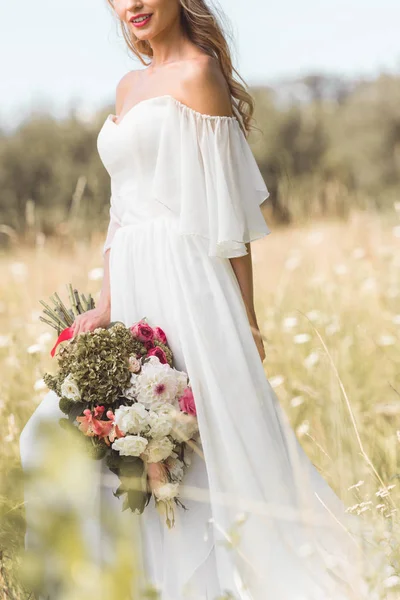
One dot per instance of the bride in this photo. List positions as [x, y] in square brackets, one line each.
[185, 205]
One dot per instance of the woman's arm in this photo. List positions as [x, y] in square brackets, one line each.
[105, 299]
[99, 316]
[243, 268]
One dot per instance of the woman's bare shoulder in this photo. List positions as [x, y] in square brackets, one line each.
[204, 87]
[124, 86]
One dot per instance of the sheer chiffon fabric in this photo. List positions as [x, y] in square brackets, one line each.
[262, 523]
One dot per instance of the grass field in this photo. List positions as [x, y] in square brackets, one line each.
[328, 304]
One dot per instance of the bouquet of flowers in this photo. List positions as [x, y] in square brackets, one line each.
[118, 387]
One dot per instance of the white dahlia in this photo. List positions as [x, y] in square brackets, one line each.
[157, 382]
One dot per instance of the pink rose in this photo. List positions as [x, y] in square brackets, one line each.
[159, 353]
[186, 402]
[149, 344]
[142, 331]
[160, 335]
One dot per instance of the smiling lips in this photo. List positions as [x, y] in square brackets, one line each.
[140, 20]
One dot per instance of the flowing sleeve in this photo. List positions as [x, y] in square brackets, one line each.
[206, 173]
[113, 224]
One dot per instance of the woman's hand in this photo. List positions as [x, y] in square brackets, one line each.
[89, 320]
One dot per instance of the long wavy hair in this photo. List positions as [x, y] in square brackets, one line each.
[204, 27]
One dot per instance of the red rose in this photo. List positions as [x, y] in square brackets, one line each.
[142, 331]
[148, 345]
[159, 353]
[160, 335]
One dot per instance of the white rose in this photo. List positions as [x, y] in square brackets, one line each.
[184, 427]
[69, 388]
[156, 383]
[160, 426]
[175, 468]
[158, 450]
[164, 409]
[131, 391]
[168, 491]
[130, 445]
[134, 364]
[132, 419]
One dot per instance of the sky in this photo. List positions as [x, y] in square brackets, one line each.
[61, 54]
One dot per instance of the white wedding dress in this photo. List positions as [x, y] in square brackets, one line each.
[186, 196]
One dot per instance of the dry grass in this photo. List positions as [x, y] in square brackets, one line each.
[328, 304]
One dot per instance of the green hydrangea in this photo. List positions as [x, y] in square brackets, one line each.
[98, 362]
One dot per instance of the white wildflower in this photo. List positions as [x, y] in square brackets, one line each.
[358, 253]
[96, 274]
[44, 338]
[396, 231]
[311, 360]
[34, 349]
[369, 284]
[296, 401]
[314, 315]
[5, 341]
[392, 581]
[340, 269]
[18, 270]
[292, 262]
[303, 428]
[315, 237]
[276, 381]
[39, 385]
[289, 322]
[386, 340]
[302, 338]
[356, 485]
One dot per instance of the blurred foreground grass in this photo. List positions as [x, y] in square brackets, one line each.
[328, 304]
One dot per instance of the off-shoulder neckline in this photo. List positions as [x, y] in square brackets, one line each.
[180, 104]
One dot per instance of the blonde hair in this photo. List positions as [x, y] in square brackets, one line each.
[203, 27]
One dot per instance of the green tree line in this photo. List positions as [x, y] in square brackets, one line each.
[324, 146]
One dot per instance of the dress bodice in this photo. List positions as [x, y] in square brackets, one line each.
[165, 158]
